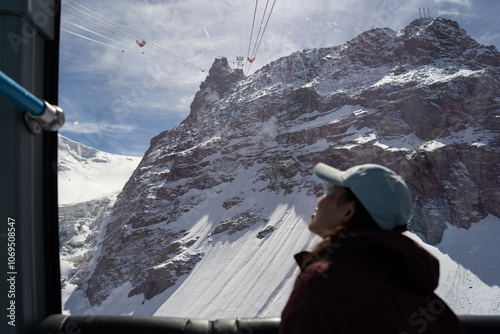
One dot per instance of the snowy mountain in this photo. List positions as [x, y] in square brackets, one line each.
[89, 181]
[207, 224]
[85, 173]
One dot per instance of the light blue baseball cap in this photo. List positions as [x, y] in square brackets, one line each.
[382, 192]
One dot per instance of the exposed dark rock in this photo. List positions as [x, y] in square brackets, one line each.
[265, 232]
[161, 277]
[238, 223]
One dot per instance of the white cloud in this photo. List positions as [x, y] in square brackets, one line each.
[103, 127]
[465, 3]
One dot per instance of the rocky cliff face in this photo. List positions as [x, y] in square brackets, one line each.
[423, 101]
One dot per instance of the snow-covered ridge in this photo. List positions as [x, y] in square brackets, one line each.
[85, 173]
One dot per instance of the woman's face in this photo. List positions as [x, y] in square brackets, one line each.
[331, 212]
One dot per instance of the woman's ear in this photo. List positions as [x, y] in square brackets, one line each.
[349, 209]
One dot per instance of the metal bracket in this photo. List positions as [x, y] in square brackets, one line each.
[31, 124]
[52, 119]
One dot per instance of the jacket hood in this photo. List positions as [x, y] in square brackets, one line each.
[402, 258]
[387, 256]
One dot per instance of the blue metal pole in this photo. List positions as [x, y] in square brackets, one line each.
[20, 96]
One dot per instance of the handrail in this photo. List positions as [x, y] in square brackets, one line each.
[58, 323]
[20, 96]
[49, 117]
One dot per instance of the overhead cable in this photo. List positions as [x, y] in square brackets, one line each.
[106, 24]
[98, 42]
[260, 36]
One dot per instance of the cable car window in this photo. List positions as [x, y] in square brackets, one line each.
[192, 129]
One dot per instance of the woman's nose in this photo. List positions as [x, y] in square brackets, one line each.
[319, 199]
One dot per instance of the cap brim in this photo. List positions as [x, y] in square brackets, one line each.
[329, 174]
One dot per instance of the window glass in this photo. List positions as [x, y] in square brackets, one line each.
[192, 127]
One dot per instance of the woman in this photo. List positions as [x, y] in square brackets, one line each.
[365, 276]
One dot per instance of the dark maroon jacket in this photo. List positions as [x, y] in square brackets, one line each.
[373, 281]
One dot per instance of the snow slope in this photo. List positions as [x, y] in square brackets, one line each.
[470, 267]
[85, 173]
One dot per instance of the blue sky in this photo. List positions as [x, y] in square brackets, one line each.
[118, 96]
